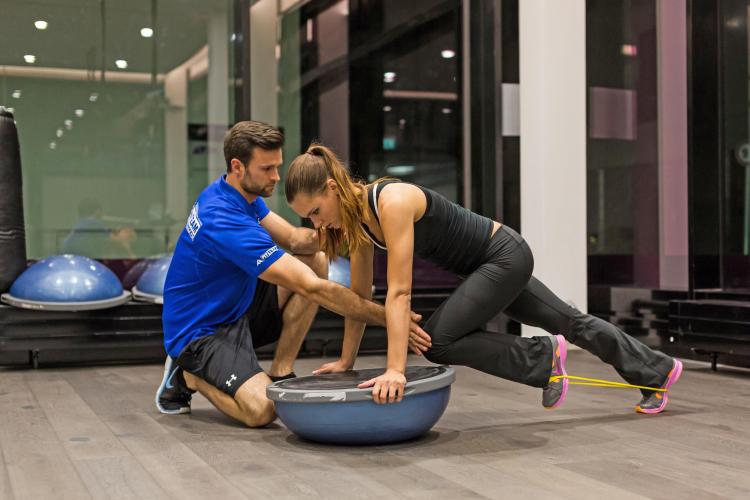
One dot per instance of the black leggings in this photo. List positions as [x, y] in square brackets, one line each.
[504, 283]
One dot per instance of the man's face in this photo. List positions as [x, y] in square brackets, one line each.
[262, 172]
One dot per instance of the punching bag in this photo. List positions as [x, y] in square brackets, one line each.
[12, 234]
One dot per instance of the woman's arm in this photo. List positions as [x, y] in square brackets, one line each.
[397, 223]
[361, 283]
[397, 208]
[360, 271]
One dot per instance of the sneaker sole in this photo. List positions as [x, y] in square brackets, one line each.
[562, 344]
[671, 380]
[164, 379]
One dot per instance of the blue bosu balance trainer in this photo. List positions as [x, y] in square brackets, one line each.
[331, 409]
[338, 271]
[150, 286]
[66, 283]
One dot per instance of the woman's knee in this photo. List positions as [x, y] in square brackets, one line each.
[437, 354]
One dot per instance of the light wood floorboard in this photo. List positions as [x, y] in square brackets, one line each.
[94, 432]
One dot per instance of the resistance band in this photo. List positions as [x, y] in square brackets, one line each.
[595, 382]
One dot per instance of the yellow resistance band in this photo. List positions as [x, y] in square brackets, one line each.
[595, 382]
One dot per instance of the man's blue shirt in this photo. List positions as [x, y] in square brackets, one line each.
[215, 267]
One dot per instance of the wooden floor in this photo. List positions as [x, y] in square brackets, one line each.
[94, 432]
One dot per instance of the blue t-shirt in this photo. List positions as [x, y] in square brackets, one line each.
[215, 266]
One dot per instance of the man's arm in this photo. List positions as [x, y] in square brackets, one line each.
[296, 276]
[298, 240]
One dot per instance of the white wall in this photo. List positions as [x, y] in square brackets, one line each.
[552, 38]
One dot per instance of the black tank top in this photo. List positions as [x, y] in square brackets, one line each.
[448, 235]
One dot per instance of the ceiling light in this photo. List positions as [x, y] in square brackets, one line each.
[68, 124]
[121, 63]
[629, 50]
[10, 110]
[147, 32]
[59, 132]
[447, 111]
[29, 58]
[400, 170]
[448, 53]
[79, 113]
[93, 97]
[16, 94]
[389, 77]
[40, 24]
[387, 108]
[53, 145]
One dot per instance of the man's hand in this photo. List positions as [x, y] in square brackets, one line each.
[387, 388]
[333, 367]
[419, 340]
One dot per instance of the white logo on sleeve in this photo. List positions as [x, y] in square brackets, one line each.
[266, 254]
[193, 223]
[230, 380]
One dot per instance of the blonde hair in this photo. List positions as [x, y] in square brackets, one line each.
[308, 174]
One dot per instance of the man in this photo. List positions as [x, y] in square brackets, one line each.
[230, 288]
[91, 237]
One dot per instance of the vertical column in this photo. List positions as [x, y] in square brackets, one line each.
[673, 147]
[218, 89]
[552, 38]
[176, 148]
[264, 102]
[263, 74]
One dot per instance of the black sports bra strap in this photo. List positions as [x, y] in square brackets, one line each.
[373, 194]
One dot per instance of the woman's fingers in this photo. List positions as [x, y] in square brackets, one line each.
[323, 369]
[367, 383]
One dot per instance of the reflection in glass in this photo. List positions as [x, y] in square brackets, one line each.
[622, 146]
[119, 117]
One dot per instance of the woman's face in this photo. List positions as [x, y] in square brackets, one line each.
[321, 208]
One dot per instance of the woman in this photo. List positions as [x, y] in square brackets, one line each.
[496, 264]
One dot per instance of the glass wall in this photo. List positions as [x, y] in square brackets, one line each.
[720, 145]
[121, 108]
[379, 82]
[622, 146]
[735, 192]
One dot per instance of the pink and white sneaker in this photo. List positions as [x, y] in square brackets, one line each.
[554, 394]
[657, 401]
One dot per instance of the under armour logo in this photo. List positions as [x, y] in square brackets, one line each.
[230, 380]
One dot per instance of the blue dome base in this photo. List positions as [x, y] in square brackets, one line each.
[142, 296]
[65, 306]
[364, 422]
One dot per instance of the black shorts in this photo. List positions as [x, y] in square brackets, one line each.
[227, 358]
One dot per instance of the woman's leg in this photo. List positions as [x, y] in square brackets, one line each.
[638, 364]
[455, 328]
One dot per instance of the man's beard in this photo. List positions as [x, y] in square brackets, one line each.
[255, 189]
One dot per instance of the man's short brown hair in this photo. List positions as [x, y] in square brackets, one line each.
[245, 136]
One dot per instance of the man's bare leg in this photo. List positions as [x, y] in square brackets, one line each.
[298, 314]
[249, 405]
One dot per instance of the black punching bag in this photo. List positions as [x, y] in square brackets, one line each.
[12, 235]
